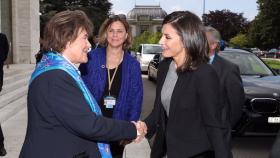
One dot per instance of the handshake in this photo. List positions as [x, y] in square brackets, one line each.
[141, 130]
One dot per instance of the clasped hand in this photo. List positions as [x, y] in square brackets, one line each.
[141, 130]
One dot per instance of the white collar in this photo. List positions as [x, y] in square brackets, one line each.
[71, 63]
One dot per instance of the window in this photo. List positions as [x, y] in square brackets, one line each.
[144, 28]
[159, 29]
[144, 18]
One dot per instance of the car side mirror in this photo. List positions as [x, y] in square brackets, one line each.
[156, 60]
[277, 71]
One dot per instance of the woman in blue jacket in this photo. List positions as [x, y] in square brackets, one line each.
[113, 76]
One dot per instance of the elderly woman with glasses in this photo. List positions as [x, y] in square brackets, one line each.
[64, 120]
[114, 76]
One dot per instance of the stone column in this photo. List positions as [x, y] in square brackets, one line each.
[133, 30]
[25, 30]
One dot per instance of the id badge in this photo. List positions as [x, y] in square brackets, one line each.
[109, 102]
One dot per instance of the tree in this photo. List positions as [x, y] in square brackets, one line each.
[96, 10]
[146, 37]
[240, 40]
[228, 23]
[265, 29]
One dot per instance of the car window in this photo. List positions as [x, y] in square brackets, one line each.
[149, 49]
[248, 63]
[140, 49]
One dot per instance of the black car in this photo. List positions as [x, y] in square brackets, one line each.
[153, 66]
[261, 110]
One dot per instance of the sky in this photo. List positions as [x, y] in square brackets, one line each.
[249, 8]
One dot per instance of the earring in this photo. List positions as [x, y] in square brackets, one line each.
[89, 49]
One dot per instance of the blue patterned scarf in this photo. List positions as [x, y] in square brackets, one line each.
[52, 61]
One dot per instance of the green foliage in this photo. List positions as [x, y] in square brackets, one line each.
[265, 29]
[146, 37]
[96, 10]
[275, 64]
[240, 40]
[229, 24]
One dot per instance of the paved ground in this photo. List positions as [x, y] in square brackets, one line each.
[14, 130]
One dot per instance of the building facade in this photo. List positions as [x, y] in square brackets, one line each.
[145, 18]
[19, 20]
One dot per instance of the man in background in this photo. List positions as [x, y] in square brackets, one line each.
[94, 41]
[4, 49]
[231, 89]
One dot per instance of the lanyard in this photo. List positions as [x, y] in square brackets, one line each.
[110, 81]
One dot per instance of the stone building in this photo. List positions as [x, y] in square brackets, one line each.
[145, 18]
[19, 20]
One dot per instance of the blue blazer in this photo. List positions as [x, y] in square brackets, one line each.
[94, 74]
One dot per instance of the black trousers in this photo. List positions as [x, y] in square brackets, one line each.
[1, 75]
[1, 138]
[1, 84]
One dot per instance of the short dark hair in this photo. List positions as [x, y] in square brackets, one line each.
[107, 23]
[191, 31]
[64, 27]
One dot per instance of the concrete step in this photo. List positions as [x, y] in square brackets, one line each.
[16, 69]
[12, 108]
[12, 96]
[10, 72]
[14, 85]
[14, 92]
[18, 76]
[19, 66]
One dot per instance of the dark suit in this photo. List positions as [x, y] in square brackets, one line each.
[4, 49]
[194, 126]
[231, 88]
[61, 124]
[232, 93]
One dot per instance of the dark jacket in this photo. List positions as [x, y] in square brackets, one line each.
[194, 125]
[61, 124]
[231, 89]
[4, 49]
[94, 74]
[232, 93]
